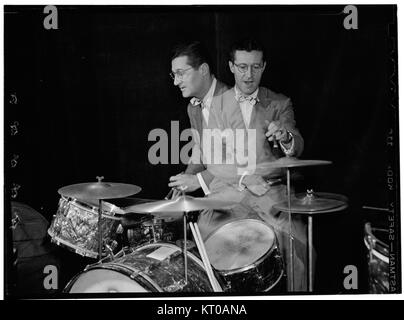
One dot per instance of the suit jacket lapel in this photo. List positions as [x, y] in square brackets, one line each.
[197, 119]
[236, 116]
[259, 109]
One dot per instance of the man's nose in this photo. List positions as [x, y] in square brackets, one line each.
[176, 81]
[248, 73]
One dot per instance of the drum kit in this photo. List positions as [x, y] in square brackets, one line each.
[240, 256]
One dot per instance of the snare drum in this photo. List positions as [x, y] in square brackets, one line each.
[75, 227]
[156, 267]
[378, 258]
[245, 254]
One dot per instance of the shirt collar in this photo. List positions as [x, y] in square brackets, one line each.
[253, 95]
[207, 99]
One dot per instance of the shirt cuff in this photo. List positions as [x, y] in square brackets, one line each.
[203, 184]
[289, 150]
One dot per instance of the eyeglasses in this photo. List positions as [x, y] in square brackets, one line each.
[179, 74]
[243, 68]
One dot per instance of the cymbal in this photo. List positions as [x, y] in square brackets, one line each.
[326, 195]
[311, 204]
[175, 208]
[287, 162]
[99, 190]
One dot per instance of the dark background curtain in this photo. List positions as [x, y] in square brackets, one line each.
[90, 92]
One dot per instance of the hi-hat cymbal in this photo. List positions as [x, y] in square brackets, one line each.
[311, 204]
[175, 208]
[99, 190]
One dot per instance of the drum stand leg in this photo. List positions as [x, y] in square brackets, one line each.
[185, 249]
[99, 229]
[291, 258]
[310, 249]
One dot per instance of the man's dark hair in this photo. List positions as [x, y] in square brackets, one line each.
[246, 45]
[196, 52]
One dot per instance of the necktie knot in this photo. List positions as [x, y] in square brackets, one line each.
[242, 98]
[196, 102]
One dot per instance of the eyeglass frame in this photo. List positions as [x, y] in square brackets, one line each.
[179, 73]
[261, 66]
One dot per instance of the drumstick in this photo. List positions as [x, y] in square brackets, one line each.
[216, 287]
[167, 197]
[204, 256]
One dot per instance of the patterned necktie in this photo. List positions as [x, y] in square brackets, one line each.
[196, 102]
[242, 98]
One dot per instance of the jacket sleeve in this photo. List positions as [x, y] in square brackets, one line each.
[287, 118]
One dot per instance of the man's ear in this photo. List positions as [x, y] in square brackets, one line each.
[231, 66]
[204, 68]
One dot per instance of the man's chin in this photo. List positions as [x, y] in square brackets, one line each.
[247, 90]
[185, 94]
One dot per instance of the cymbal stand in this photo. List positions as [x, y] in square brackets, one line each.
[99, 229]
[310, 249]
[185, 249]
[291, 259]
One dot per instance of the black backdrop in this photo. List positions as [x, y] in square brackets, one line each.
[90, 92]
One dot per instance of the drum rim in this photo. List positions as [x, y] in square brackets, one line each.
[369, 234]
[276, 282]
[376, 253]
[122, 269]
[74, 248]
[90, 208]
[253, 264]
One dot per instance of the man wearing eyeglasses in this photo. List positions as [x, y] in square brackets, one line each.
[270, 115]
[192, 73]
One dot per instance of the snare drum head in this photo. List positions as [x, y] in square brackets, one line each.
[104, 280]
[239, 244]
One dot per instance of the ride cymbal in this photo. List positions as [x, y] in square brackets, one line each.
[175, 208]
[99, 190]
[288, 162]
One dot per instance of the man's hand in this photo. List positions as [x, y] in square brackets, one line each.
[184, 182]
[256, 184]
[278, 131]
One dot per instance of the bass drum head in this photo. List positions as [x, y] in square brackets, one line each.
[239, 244]
[104, 281]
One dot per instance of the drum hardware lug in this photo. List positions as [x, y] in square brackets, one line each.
[134, 274]
[119, 229]
[87, 267]
[110, 248]
[176, 286]
[227, 286]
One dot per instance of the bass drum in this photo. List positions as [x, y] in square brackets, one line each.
[156, 267]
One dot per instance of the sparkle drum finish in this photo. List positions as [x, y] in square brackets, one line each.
[75, 227]
[378, 258]
[156, 267]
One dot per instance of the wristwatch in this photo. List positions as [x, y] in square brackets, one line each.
[289, 139]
